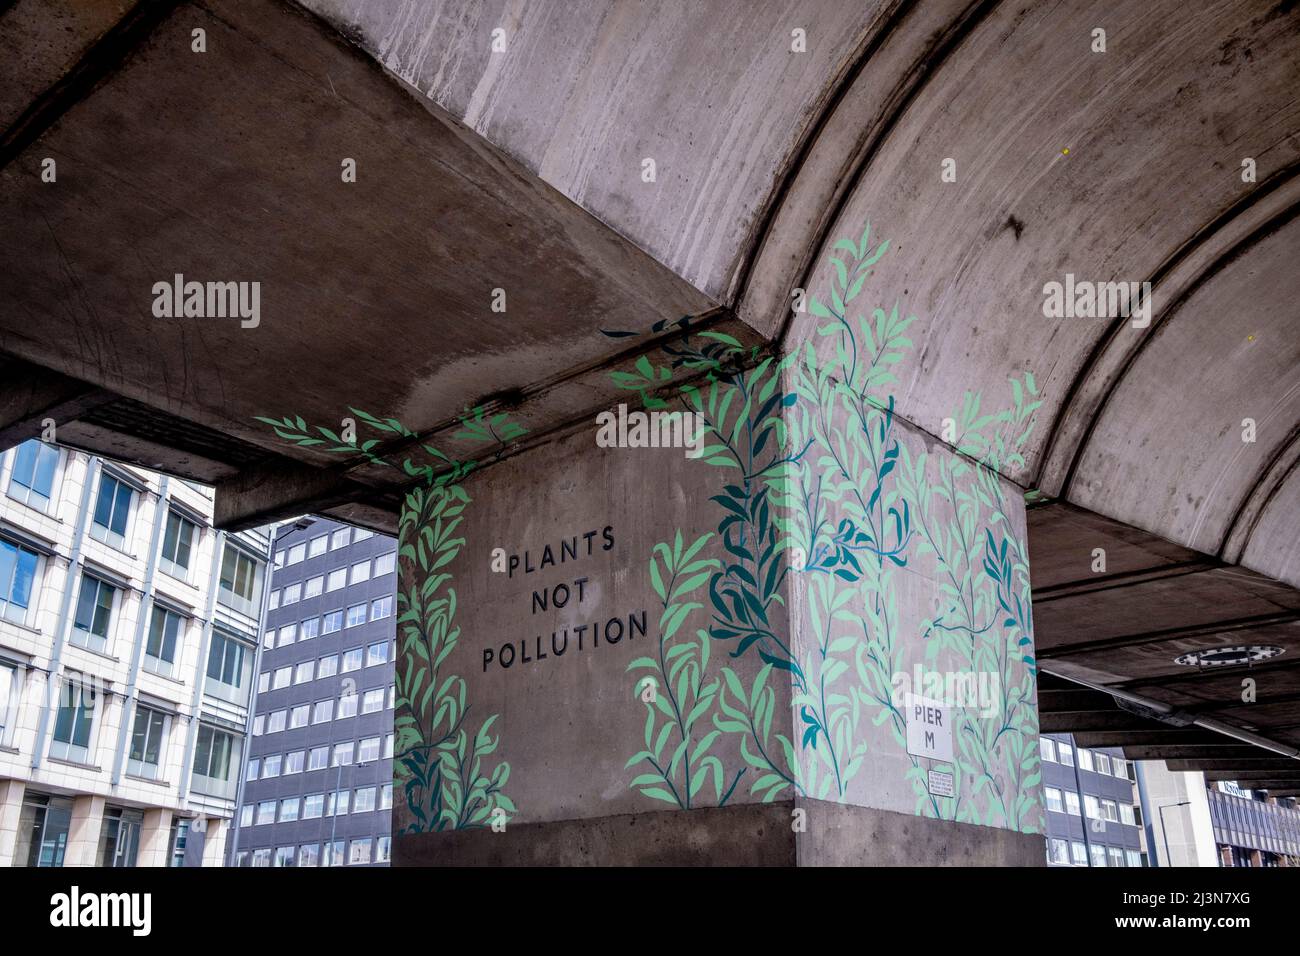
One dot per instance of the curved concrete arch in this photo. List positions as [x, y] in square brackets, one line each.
[1272, 481]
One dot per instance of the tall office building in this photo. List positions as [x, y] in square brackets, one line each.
[128, 630]
[1093, 812]
[318, 785]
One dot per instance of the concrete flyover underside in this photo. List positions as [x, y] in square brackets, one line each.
[1171, 445]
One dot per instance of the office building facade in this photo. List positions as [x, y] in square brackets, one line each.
[128, 633]
[318, 784]
[1094, 816]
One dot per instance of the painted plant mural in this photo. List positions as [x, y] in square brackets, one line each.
[443, 752]
[822, 488]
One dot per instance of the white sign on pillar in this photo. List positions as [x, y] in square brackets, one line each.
[929, 728]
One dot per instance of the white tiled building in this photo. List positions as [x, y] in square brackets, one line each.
[128, 645]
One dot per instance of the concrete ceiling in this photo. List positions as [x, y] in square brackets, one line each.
[522, 170]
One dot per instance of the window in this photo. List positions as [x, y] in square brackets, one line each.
[1047, 749]
[361, 535]
[327, 666]
[386, 797]
[388, 746]
[265, 812]
[1071, 803]
[112, 510]
[165, 631]
[148, 737]
[1126, 814]
[1078, 853]
[1085, 759]
[336, 804]
[373, 701]
[337, 579]
[262, 857]
[363, 801]
[309, 855]
[381, 607]
[280, 679]
[230, 664]
[302, 673]
[74, 722]
[383, 849]
[1133, 857]
[377, 654]
[299, 716]
[11, 683]
[273, 600]
[333, 622]
[292, 592]
[1103, 764]
[359, 851]
[32, 481]
[1054, 799]
[293, 762]
[360, 572]
[246, 815]
[286, 635]
[1058, 851]
[368, 750]
[275, 723]
[333, 853]
[323, 712]
[239, 578]
[296, 553]
[316, 547]
[1114, 856]
[17, 573]
[1098, 855]
[392, 697]
[384, 563]
[1066, 753]
[339, 538]
[271, 765]
[313, 586]
[263, 682]
[342, 754]
[268, 638]
[289, 808]
[347, 707]
[313, 806]
[318, 758]
[214, 755]
[94, 613]
[356, 615]
[254, 766]
[1109, 811]
[178, 545]
[1091, 807]
[351, 660]
[309, 629]
[1120, 767]
[284, 856]
[259, 725]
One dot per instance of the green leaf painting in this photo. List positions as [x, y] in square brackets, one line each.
[442, 759]
[820, 486]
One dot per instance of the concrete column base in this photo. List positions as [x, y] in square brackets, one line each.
[83, 831]
[11, 807]
[155, 838]
[741, 835]
[214, 842]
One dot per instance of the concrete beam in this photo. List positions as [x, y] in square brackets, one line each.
[280, 489]
[31, 395]
[1279, 766]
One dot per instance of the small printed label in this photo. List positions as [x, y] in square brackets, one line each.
[941, 784]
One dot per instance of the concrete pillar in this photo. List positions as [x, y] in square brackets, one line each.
[680, 658]
[11, 805]
[83, 831]
[155, 838]
[214, 841]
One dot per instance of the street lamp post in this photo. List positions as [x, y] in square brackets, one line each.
[1164, 830]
